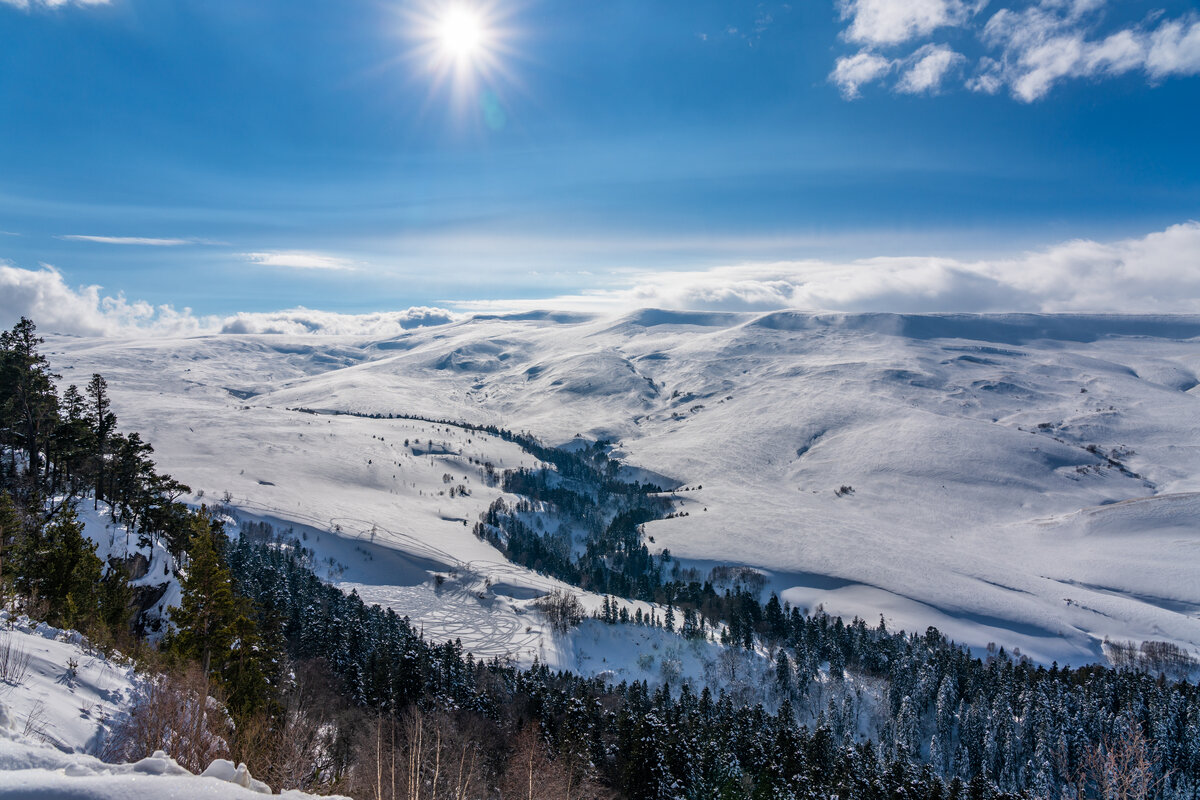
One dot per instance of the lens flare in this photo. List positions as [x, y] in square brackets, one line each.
[463, 50]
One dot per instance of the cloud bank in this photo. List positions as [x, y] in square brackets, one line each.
[1155, 273]
[305, 320]
[46, 298]
[1152, 274]
[1024, 50]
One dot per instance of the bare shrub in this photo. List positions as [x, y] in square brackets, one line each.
[35, 722]
[177, 714]
[288, 750]
[562, 610]
[1120, 768]
[14, 662]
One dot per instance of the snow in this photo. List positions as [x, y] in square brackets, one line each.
[71, 709]
[991, 458]
[33, 771]
[117, 541]
[54, 716]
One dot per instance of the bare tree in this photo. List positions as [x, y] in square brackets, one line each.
[530, 774]
[1120, 768]
[288, 750]
[419, 756]
[562, 609]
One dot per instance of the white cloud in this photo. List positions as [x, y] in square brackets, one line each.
[1121, 52]
[299, 260]
[888, 22]
[1155, 273]
[1175, 49]
[1043, 46]
[44, 296]
[28, 4]
[927, 68]
[128, 240]
[1027, 50]
[305, 320]
[1151, 274]
[852, 72]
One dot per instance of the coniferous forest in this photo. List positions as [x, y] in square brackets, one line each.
[322, 692]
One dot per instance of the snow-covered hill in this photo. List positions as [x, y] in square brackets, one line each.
[992, 459]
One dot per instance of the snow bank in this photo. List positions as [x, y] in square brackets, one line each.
[29, 770]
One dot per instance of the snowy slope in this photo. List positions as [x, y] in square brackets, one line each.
[48, 700]
[990, 456]
[58, 700]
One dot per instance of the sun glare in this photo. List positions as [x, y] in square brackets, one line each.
[464, 49]
[461, 33]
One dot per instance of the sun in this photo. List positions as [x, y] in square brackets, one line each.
[464, 50]
[461, 37]
[461, 33]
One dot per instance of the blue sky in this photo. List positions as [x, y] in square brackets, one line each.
[312, 153]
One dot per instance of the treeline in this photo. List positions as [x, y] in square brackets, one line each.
[586, 737]
[606, 513]
[586, 464]
[56, 449]
[1019, 726]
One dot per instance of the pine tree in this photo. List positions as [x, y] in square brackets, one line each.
[28, 404]
[783, 673]
[204, 622]
[10, 533]
[57, 564]
[115, 599]
[103, 423]
[774, 618]
[244, 675]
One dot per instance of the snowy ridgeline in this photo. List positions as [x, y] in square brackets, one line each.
[1026, 480]
[59, 701]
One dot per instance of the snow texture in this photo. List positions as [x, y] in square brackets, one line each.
[1030, 480]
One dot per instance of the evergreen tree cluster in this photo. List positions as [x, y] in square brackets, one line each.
[612, 559]
[647, 745]
[54, 452]
[57, 449]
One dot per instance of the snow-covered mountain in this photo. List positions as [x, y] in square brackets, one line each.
[1028, 480]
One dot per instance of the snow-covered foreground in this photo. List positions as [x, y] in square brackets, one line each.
[1028, 480]
[58, 702]
[56, 691]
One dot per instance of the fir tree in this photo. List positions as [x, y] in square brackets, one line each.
[27, 399]
[57, 564]
[204, 622]
[10, 532]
